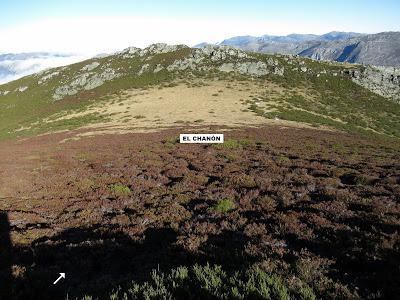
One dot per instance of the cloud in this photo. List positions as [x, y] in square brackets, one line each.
[108, 34]
[15, 67]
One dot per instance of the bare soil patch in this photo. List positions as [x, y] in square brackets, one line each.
[196, 103]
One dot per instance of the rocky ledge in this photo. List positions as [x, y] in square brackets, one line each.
[384, 81]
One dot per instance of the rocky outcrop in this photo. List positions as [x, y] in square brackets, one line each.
[246, 68]
[211, 57]
[220, 53]
[21, 89]
[151, 50]
[91, 67]
[225, 59]
[380, 80]
[47, 77]
[85, 81]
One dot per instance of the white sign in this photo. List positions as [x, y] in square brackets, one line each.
[187, 138]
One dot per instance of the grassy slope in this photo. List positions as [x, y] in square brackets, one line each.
[21, 109]
[329, 100]
[337, 97]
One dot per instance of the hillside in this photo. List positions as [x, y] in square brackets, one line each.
[381, 49]
[111, 92]
[299, 202]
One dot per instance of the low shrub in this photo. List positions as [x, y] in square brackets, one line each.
[354, 179]
[209, 282]
[232, 144]
[224, 206]
[243, 181]
[120, 190]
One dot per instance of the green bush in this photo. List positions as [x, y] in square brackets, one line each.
[224, 206]
[210, 282]
[120, 190]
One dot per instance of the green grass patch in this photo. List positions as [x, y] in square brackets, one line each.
[120, 190]
[224, 206]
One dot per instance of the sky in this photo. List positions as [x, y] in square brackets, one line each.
[105, 26]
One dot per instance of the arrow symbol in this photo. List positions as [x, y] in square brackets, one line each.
[62, 275]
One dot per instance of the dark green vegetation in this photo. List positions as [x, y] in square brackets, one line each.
[211, 282]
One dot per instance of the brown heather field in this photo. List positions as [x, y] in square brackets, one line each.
[317, 208]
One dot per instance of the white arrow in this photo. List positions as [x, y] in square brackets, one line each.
[62, 275]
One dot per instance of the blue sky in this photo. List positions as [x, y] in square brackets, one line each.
[185, 21]
[375, 15]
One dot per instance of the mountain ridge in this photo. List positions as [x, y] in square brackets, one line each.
[381, 49]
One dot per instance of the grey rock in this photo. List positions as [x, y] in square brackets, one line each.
[151, 50]
[85, 81]
[63, 91]
[48, 77]
[224, 59]
[130, 52]
[90, 67]
[227, 67]
[252, 68]
[279, 71]
[249, 68]
[158, 68]
[93, 83]
[80, 80]
[21, 89]
[145, 68]
[380, 80]
[216, 53]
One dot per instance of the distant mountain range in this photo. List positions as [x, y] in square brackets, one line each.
[14, 66]
[382, 49]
